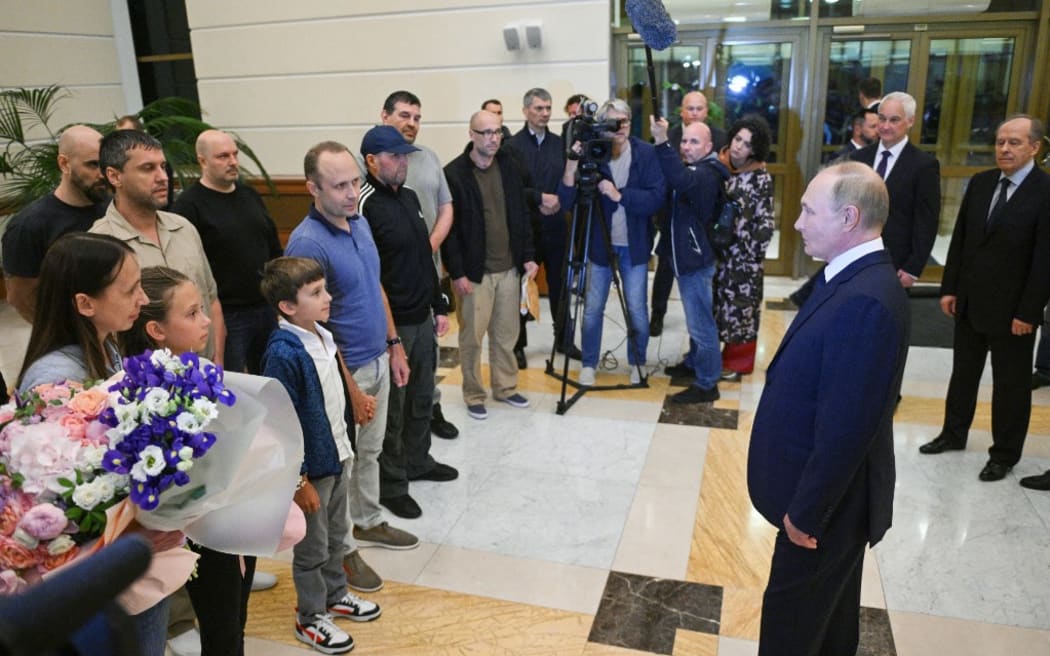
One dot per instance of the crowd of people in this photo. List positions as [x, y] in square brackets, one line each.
[346, 316]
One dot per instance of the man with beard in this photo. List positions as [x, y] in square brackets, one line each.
[79, 199]
[133, 163]
[239, 237]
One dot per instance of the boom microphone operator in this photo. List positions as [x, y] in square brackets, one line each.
[652, 22]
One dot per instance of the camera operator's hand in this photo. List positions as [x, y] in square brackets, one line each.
[549, 204]
[531, 269]
[462, 286]
[658, 128]
[569, 178]
[609, 190]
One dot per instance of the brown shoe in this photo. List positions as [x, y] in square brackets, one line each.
[386, 536]
[359, 575]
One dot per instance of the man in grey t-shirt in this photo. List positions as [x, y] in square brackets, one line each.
[426, 177]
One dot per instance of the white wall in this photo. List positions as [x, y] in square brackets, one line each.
[285, 75]
[69, 43]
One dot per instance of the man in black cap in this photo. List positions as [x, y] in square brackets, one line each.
[419, 310]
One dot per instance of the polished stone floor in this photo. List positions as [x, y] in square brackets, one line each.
[623, 526]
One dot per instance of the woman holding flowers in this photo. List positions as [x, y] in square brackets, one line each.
[90, 290]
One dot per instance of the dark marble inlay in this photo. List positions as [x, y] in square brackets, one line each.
[698, 414]
[449, 357]
[876, 636]
[783, 304]
[643, 613]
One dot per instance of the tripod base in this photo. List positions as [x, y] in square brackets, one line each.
[565, 403]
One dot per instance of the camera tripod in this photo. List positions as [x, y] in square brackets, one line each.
[574, 272]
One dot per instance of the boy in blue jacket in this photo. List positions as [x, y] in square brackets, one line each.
[302, 355]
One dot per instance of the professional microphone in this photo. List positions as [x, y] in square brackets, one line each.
[44, 617]
[652, 22]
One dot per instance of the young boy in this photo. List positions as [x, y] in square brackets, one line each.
[302, 355]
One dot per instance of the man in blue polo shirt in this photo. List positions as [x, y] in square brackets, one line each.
[334, 235]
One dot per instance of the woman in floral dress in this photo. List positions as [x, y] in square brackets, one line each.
[738, 280]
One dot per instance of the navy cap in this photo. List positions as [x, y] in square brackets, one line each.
[385, 139]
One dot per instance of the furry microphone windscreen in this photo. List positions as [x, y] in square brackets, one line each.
[652, 22]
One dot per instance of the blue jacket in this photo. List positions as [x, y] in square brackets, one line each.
[642, 198]
[693, 195]
[286, 360]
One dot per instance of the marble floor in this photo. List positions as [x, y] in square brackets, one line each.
[624, 527]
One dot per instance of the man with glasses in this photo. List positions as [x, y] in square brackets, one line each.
[487, 251]
[913, 179]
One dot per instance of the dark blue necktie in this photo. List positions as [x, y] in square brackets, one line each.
[881, 168]
[1000, 202]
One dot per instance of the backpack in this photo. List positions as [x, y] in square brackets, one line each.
[722, 229]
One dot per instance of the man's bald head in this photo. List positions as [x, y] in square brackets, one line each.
[82, 182]
[694, 108]
[696, 142]
[217, 155]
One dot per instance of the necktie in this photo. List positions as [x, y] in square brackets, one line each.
[881, 168]
[1000, 202]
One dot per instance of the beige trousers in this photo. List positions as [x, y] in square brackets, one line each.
[492, 308]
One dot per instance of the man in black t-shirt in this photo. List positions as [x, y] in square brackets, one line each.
[79, 199]
[239, 237]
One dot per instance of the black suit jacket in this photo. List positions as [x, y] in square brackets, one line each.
[822, 441]
[1002, 271]
[914, 185]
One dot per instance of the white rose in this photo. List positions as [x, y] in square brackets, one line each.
[118, 481]
[60, 545]
[156, 402]
[188, 423]
[105, 488]
[91, 457]
[87, 496]
[204, 409]
[164, 358]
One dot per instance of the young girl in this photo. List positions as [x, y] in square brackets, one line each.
[90, 290]
[174, 319]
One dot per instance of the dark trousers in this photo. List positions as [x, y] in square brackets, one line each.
[1011, 388]
[552, 245]
[220, 599]
[662, 281]
[247, 331]
[1042, 350]
[406, 443]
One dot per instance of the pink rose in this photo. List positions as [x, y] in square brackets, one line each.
[75, 424]
[42, 453]
[9, 518]
[89, 403]
[44, 522]
[14, 555]
[50, 392]
[6, 414]
[11, 583]
[54, 412]
[95, 433]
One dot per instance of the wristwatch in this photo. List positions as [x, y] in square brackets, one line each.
[393, 342]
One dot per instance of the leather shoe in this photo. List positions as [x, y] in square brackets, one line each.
[519, 355]
[940, 444]
[994, 471]
[1039, 380]
[571, 350]
[656, 325]
[680, 370]
[403, 506]
[1040, 482]
[440, 473]
[440, 426]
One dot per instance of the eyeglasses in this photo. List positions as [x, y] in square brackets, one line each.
[488, 134]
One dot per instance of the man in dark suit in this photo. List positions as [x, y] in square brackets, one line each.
[820, 466]
[996, 283]
[913, 179]
[864, 131]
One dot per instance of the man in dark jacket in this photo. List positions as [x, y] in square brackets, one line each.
[486, 253]
[419, 310]
[694, 176]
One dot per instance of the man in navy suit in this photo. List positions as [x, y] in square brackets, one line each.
[996, 283]
[913, 179]
[820, 466]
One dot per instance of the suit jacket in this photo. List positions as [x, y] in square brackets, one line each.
[1001, 271]
[822, 438]
[914, 185]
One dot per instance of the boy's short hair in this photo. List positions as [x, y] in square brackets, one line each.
[283, 278]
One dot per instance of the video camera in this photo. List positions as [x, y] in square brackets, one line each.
[596, 144]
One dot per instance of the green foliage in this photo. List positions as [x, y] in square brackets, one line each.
[29, 168]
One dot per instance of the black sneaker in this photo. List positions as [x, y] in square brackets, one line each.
[440, 426]
[656, 325]
[694, 394]
[323, 635]
[403, 506]
[680, 370]
[440, 473]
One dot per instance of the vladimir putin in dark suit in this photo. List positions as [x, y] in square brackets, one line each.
[913, 179]
[996, 283]
[820, 466]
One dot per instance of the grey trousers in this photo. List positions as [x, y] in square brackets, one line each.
[317, 560]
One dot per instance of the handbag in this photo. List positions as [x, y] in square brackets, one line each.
[722, 229]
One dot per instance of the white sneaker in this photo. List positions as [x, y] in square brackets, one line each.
[587, 376]
[187, 643]
[355, 608]
[322, 634]
[636, 377]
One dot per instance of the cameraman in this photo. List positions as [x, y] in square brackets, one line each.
[632, 190]
[694, 176]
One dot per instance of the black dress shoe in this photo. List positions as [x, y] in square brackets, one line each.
[440, 426]
[994, 471]
[439, 473]
[519, 355]
[1040, 482]
[680, 370]
[940, 444]
[571, 350]
[656, 325]
[403, 506]
[694, 394]
[1039, 380]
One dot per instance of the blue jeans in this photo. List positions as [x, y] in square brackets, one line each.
[152, 627]
[704, 355]
[634, 280]
[247, 332]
